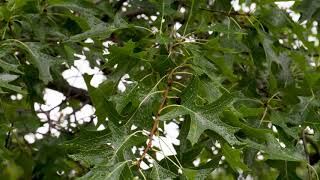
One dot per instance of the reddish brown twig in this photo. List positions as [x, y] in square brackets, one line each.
[157, 119]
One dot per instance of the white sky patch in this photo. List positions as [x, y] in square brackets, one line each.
[154, 30]
[30, 138]
[86, 49]
[196, 162]
[245, 8]
[144, 166]
[309, 130]
[97, 79]
[67, 110]
[39, 136]
[95, 121]
[83, 66]
[85, 112]
[55, 114]
[123, 82]
[235, 4]
[217, 144]
[165, 145]
[89, 40]
[253, 7]
[177, 26]
[51, 98]
[171, 131]
[42, 116]
[284, 4]
[260, 157]
[294, 15]
[74, 78]
[101, 127]
[274, 129]
[44, 129]
[153, 18]
[107, 44]
[182, 10]
[13, 97]
[282, 145]
[19, 96]
[121, 86]
[55, 132]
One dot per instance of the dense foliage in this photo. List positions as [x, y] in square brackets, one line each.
[241, 86]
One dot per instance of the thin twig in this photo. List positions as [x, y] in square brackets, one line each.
[264, 115]
[157, 119]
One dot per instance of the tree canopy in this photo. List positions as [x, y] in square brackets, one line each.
[191, 89]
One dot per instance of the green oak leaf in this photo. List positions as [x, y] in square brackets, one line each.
[110, 146]
[9, 67]
[123, 99]
[308, 8]
[5, 78]
[160, 173]
[100, 99]
[42, 61]
[280, 120]
[105, 172]
[101, 30]
[203, 117]
[193, 174]
[275, 151]
[233, 157]
[124, 58]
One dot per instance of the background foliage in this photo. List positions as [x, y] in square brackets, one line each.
[241, 84]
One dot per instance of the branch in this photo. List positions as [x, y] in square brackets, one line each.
[157, 119]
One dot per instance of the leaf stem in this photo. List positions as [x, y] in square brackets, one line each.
[188, 73]
[162, 15]
[264, 115]
[141, 27]
[172, 105]
[176, 89]
[313, 170]
[190, 14]
[144, 177]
